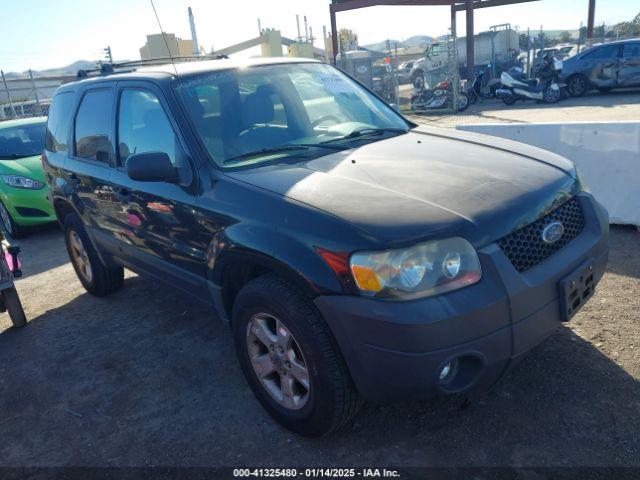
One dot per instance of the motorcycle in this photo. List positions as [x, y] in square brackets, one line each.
[10, 269]
[545, 88]
[480, 91]
[437, 98]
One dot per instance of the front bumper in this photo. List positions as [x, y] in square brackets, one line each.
[396, 350]
[28, 207]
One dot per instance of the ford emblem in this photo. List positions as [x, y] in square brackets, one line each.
[552, 232]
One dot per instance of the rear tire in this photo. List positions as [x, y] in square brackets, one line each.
[14, 307]
[509, 100]
[463, 101]
[330, 400]
[96, 277]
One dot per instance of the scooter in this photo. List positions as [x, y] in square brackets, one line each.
[438, 98]
[546, 88]
[480, 91]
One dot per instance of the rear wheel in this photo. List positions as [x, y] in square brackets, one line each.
[509, 100]
[290, 358]
[10, 226]
[463, 101]
[96, 277]
[14, 307]
[578, 85]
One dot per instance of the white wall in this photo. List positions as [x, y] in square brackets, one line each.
[607, 155]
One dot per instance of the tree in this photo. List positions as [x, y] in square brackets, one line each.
[565, 37]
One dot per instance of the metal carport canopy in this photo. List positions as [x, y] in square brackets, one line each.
[456, 5]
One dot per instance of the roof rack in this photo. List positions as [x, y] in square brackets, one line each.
[104, 69]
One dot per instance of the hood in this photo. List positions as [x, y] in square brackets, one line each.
[27, 167]
[427, 184]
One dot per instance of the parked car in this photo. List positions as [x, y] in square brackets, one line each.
[383, 81]
[354, 254]
[24, 194]
[404, 72]
[605, 67]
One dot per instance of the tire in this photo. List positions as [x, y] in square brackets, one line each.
[10, 226]
[99, 279]
[331, 400]
[14, 307]
[472, 96]
[552, 96]
[578, 85]
[463, 101]
[509, 100]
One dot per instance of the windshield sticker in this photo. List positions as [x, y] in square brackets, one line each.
[335, 84]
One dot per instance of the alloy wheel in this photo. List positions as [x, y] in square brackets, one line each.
[6, 219]
[79, 256]
[577, 86]
[277, 361]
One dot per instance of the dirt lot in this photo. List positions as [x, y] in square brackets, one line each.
[595, 107]
[145, 378]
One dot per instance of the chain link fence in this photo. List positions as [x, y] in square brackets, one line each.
[25, 95]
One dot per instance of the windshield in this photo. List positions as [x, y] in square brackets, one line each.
[21, 141]
[258, 114]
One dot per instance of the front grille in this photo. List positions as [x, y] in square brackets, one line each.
[525, 247]
[31, 212]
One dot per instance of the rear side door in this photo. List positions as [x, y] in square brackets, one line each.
[630, 65]
[156, 223]
[88, 169]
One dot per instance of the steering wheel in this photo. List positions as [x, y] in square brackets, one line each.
[324, 118]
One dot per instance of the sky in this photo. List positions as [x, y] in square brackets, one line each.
[41, 34]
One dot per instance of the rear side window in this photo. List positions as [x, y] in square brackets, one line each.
[57, 132]
[93, 126]
[631, 50]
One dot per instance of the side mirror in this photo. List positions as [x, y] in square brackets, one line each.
[151, 167]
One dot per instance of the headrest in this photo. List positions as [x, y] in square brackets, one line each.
[257, 107]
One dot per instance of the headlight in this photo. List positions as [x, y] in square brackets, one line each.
[427, 269]
[18, 181]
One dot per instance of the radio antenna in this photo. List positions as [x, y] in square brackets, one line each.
[164, 37]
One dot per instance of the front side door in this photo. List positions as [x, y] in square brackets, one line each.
[630, 65]
[156, 223]
[602, 65]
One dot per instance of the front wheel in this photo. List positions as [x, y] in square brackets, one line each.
[463, 101]
[290, 358]
[10, 226]
[509, 100]
[14, 307]
[578, 85]
[551, 95]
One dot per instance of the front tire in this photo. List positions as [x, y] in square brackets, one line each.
[290, 358]
[463, 101]
[578, 85]
[10, 226]
[96, 277]
[509, 100]
[14, 307]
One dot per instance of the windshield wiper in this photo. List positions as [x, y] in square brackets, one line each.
[366, 132]
[279, 149]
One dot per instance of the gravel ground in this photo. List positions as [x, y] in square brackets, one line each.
[145, 378]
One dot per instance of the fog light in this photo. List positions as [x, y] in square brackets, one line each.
[448, 371]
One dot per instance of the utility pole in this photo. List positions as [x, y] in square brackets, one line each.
[107, 52]
[591, 21]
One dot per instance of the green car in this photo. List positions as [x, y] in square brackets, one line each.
[24, 193]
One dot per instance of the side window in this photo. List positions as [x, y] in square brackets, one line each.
[143, 127]
[92, 127]
[631, 50]
[59, 121]
[602, 53]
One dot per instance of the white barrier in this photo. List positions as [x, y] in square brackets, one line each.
[606, 154]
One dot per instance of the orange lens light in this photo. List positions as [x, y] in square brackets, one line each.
[366, 278]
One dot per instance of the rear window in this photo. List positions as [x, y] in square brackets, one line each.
[93, 126]
[60, 113]
[21, 141]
